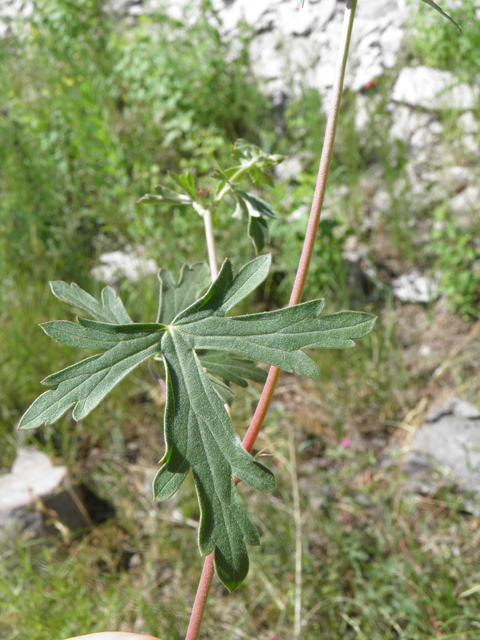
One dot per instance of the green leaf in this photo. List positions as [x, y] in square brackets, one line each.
[256, 209]
[189, 198]
[440, 10]
[256, 161]
[227, 291]
[223, 390]
[275, 337]
[111, 308]
[84, 385]
[195, 346]
[185, 182]
[257, 204]
[168, 196]
[175, 297]
[169, 478]
[258, 232]
[236, 370]
[198, 430]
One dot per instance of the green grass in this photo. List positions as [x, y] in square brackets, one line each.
[438, 44]
[377, 562]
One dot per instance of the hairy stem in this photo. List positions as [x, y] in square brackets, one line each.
[201, 598]
[314, 218]
[208, 567]
[298, 537]
[298, 287]
[212, 258]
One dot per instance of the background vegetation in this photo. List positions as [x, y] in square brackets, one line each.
[93, 112]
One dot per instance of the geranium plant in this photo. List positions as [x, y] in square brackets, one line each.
[203, 351]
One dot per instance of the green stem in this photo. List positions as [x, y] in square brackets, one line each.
[298, 287]
[236, 176]
[212, 258]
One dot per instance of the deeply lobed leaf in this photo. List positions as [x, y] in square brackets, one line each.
[198, 431]
[177, 296]
[84, 385]
[111, 309]
[196, 341]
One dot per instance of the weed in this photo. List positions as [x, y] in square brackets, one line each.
[456, 252]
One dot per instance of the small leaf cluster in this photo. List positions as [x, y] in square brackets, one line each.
[249, 206]
[202, 351]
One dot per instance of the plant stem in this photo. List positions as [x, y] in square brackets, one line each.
[298, 287]
[201, 598]
[208, 567]
[212, 259]
[314, 218]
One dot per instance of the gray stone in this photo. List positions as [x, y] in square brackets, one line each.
[406, 121]
[38, 498]
[468, 122]
[433, 89]
[417, 462]
[466, 200]
[457, 178]
[438, 412]
[453, 443]
[414, 288]
[289, 169]
[32, 476]
[463, 409]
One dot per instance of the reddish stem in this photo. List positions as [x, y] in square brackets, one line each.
[314, 219]
[295, 298]
[201, 598]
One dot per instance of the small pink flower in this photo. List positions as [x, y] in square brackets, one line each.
[346, 442]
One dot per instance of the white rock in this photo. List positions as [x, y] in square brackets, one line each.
[267, 61]
[468, 122]
[294, 20]
[32, 476]
[414, 288]
[469, 142]
[390, 43]
[463, 409]
[454, 443]
[422, 139]
[457, 178]
[433, 89]
[289, 169]
[298, 214]
[120, 264]
[406, 121]
[466, 200]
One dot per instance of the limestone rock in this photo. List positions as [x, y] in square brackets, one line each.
[433, 89]
[414, 288]
[466, 201]
[32, 476]
[38, 498]
[450, 438]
